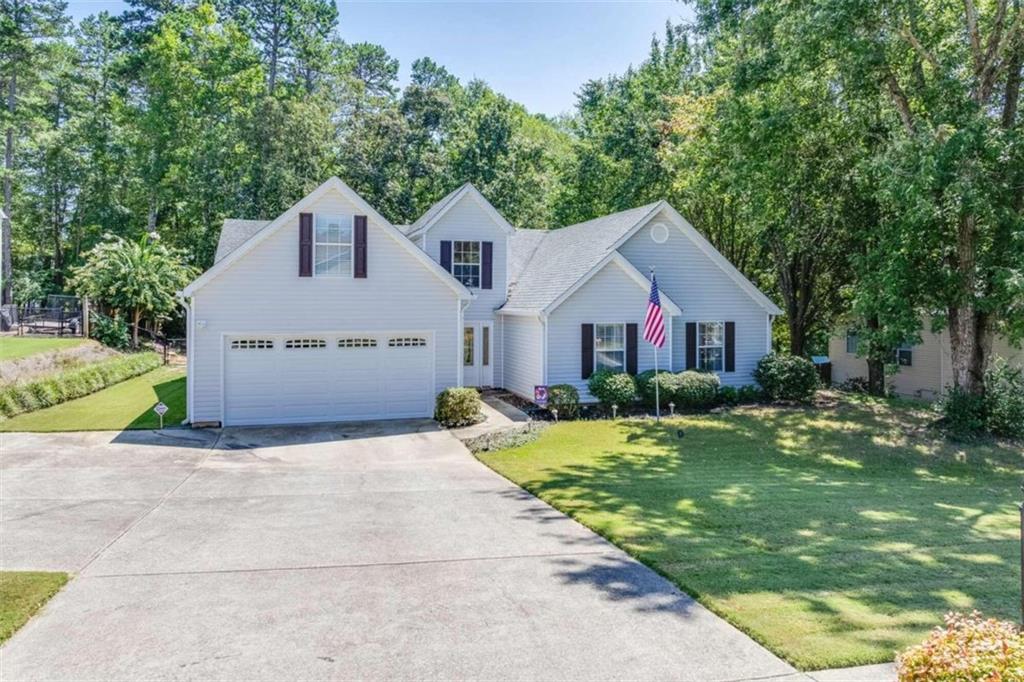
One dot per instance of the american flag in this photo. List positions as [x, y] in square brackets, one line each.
[654, 323]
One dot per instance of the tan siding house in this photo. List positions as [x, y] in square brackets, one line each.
[924, 370]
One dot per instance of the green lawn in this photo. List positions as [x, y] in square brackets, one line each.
[22, 594]
[834, 537]
[14, 347]
[127, 405]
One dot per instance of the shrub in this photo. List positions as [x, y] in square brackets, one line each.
[749, 394]
[75, 383]
[1004, 400]
[110, 332]
[612, 388]
[666, 383]
[787, 377]
[696, 390]
[457, 407]
[968, 648]
[963, 414]
[566, 399]
[728, 395]
[854, 385]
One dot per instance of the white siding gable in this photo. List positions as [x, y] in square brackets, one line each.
[705, 293]
[522, 365]
[468, 220]
[262, 292]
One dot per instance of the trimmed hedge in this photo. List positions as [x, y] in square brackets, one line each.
[612, 388]
[787, 377]
[564, 398]
[457, 407]
[696, 390]
[75, 383]
[666, 383]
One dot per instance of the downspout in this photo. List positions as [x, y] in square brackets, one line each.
[544, 353]
[188, 355]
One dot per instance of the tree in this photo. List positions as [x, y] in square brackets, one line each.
[28, 29]
[140, 277]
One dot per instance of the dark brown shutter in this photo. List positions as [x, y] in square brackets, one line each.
[486, 264]
[730, 346]
[360, 247]
[305, 245]
[586, 350]
[446, 255]
[691, 345]
[631, 349]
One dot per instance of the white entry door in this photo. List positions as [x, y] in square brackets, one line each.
[477, 354]
[314, 377]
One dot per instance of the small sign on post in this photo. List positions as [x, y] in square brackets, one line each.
[160, 410]
[540, 396]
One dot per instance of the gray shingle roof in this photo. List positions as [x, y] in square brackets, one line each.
[546, 264]
[234, 233]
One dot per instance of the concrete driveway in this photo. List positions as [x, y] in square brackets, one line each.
[378, 550]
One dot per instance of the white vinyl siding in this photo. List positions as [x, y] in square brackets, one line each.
[610, 296]
[704, 292]
[468, 221]
[262, 294]
[523, 358]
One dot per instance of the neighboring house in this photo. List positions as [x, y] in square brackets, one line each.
[923, 370]
[329, 312]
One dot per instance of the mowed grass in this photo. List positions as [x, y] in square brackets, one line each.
[835, 537]
[15, 347]
[127, 405]
[22, 593]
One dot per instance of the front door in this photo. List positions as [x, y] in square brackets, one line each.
[477, 351]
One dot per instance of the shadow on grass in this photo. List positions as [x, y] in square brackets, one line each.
[812, 529]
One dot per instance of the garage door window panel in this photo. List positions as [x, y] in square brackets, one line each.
[357, 343]
[252, 344]
[295, 344]
[406, 342]
[332, 246]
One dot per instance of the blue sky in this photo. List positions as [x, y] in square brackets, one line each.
[537, 53]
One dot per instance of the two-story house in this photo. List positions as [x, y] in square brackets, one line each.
[329, 312]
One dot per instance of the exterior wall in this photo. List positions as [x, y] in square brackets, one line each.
[610, 296]
[262, 292]
[932, 367]
[522, 339]
[704, 292]
[467, 221]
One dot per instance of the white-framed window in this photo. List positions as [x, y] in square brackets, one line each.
[406, 341]
[905, 355]
[252, 344]
[466, 263]
[610, 347]
[852, 341]
[332, 246]
[357, 342]
[292, 344]
[467, 346]
[711, 346]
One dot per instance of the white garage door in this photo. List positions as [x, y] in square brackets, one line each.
[280, 379]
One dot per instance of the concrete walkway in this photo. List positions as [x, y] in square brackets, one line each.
[369, 550]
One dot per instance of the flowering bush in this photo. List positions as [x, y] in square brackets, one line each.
[968, 648]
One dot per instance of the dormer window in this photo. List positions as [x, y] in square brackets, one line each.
[466, 263]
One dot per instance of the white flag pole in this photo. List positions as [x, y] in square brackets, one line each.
[657, 396]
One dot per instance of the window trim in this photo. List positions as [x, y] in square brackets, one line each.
[701, 346]
[909, 350]
[621, 325]
[351, 245]
[485, 345]
[852, 333]
[479, 261]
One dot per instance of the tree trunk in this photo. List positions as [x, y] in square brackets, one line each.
[136, 315]
[969, 336]
[6, 272]
[876, 366]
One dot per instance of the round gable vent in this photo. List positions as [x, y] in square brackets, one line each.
[659, 233]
